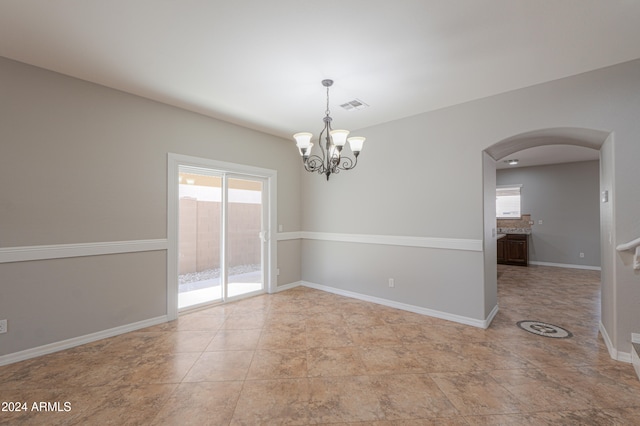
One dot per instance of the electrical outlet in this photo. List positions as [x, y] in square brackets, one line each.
[581, 254]
[3, 326]
[392, 283]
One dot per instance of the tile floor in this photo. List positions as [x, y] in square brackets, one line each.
[304, 356]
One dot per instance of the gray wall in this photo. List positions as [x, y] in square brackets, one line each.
[566, 198]
[422, 176]
[81, 163]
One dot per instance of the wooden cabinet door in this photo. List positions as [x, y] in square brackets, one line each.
[502, 251]
[517, 250]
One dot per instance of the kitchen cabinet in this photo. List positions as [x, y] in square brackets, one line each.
[502, 247]
[513, 249]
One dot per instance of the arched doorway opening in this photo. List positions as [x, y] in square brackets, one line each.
[599, 140]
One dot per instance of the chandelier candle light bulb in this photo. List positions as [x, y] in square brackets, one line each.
[330, 159]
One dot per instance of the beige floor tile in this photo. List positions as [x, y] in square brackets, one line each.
[220, 311]
[48, 371]
[443, 357]
[277, 402]
[304, 356]
[208, 403]
[285, 319]
[278, 364]
[409, 334]
[243, 320]
[158, 342]
[598, 386]
[627, 415]
[391, 360]
[326, 362]
[566, 418]
[440, 421]
[283, 338]
[477, 393]
[329, 336]
[492, 356]
[548, 394]
[220, 366]
[327, 319]
[235, 340]
[344, 399]
[380, 335]
[197, 321]
[412, 396]
[123, 405]
[363, 318]
[161, 368]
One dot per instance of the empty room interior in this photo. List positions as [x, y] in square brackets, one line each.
[189, 236]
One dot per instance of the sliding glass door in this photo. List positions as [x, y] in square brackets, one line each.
[245, 238]
[221, 237]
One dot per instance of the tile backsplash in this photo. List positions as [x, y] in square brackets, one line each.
[522, 223]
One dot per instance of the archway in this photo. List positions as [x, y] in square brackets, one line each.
[588, 138]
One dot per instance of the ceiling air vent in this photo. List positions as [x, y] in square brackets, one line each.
[354, 104]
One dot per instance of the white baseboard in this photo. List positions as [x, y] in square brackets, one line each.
[635, 356]
[624, 357]
[287, 286]
[77, 341]
[406, 307]
[613, 352]
[565, 265]
[635, 360]
[607, 341]
[491, 316]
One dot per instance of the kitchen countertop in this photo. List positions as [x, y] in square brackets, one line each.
[522, 231]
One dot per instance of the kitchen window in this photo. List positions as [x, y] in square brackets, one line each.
[508, 201]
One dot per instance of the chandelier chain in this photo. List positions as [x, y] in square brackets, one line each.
[327, 112]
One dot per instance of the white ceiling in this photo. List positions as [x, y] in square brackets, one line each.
[259, 63]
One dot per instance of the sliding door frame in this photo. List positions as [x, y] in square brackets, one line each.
[270, 177]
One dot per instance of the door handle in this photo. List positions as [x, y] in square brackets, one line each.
[264, 236]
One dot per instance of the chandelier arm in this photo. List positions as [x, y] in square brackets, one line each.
[314, 164]
[347, 163]
[324, 151]
[328, 128]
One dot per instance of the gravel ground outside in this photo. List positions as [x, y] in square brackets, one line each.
[196, 280]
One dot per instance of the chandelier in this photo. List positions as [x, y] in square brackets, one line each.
[330, 159]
